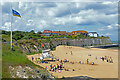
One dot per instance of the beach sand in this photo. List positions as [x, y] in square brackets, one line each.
[101, 69]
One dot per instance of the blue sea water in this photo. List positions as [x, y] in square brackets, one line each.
[115, 42]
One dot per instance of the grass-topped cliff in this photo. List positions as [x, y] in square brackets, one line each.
[15, 60]
[30, 42]
[21, 35]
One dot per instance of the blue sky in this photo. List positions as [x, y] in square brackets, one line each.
[101, 17]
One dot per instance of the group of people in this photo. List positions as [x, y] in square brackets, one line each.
[70, 52]
[56, 67]
[38, 60]
[64, 61]
[107, 58]
[68, 47]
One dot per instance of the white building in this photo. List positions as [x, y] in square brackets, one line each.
[45, 53]
[93, 34]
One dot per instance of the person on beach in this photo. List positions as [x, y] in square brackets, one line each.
[111, 61]
[80, 62]
[102, 58]
[87, 61]
[59, 71]
[92, 63]
[54, 67]
[71, 52]
[61, 61]
[57, 66]
[107, 60]
[60, 67]
[105, 57]
[37, 60]
[73, 63]
[32, 58]
[65, 60]
[89, 55]
[46, 68]
[96, 57]
[51, 66]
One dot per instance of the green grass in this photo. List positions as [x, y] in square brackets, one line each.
[5, 38]
[13, 58]
[32, 53]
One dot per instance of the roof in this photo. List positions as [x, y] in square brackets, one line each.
[68, 33]
[54, 32]
[82, 31]
[47, 31]
[59, 32]
[93, 32]
[62, 32]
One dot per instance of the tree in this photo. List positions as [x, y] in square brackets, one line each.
[3, 32]
[17, 36]
[6, 32]
[39, 32]
[32, 32]
[102, 36]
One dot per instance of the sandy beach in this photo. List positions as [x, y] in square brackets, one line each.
[100, 69]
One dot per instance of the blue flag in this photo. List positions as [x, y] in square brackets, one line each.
[15, 13]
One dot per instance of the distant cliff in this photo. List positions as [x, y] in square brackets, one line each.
[35, 45]
[82, 42]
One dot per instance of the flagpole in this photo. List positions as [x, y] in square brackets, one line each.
[11, 27]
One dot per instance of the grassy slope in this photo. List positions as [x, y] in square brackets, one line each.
[6, 37]
[13, 58]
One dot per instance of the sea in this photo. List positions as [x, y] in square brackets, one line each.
[115, 42]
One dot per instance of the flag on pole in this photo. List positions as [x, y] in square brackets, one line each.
[15, 13]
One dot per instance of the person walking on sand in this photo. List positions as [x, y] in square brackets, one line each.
[87, 61]
[71, 52]
[32, 58]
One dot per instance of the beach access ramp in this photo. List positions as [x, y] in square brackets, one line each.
[46, 54]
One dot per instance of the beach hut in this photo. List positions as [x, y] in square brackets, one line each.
[45, 53]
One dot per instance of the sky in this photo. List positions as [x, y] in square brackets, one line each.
[100, 17]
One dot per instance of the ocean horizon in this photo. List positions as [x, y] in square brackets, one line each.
[115, 42]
